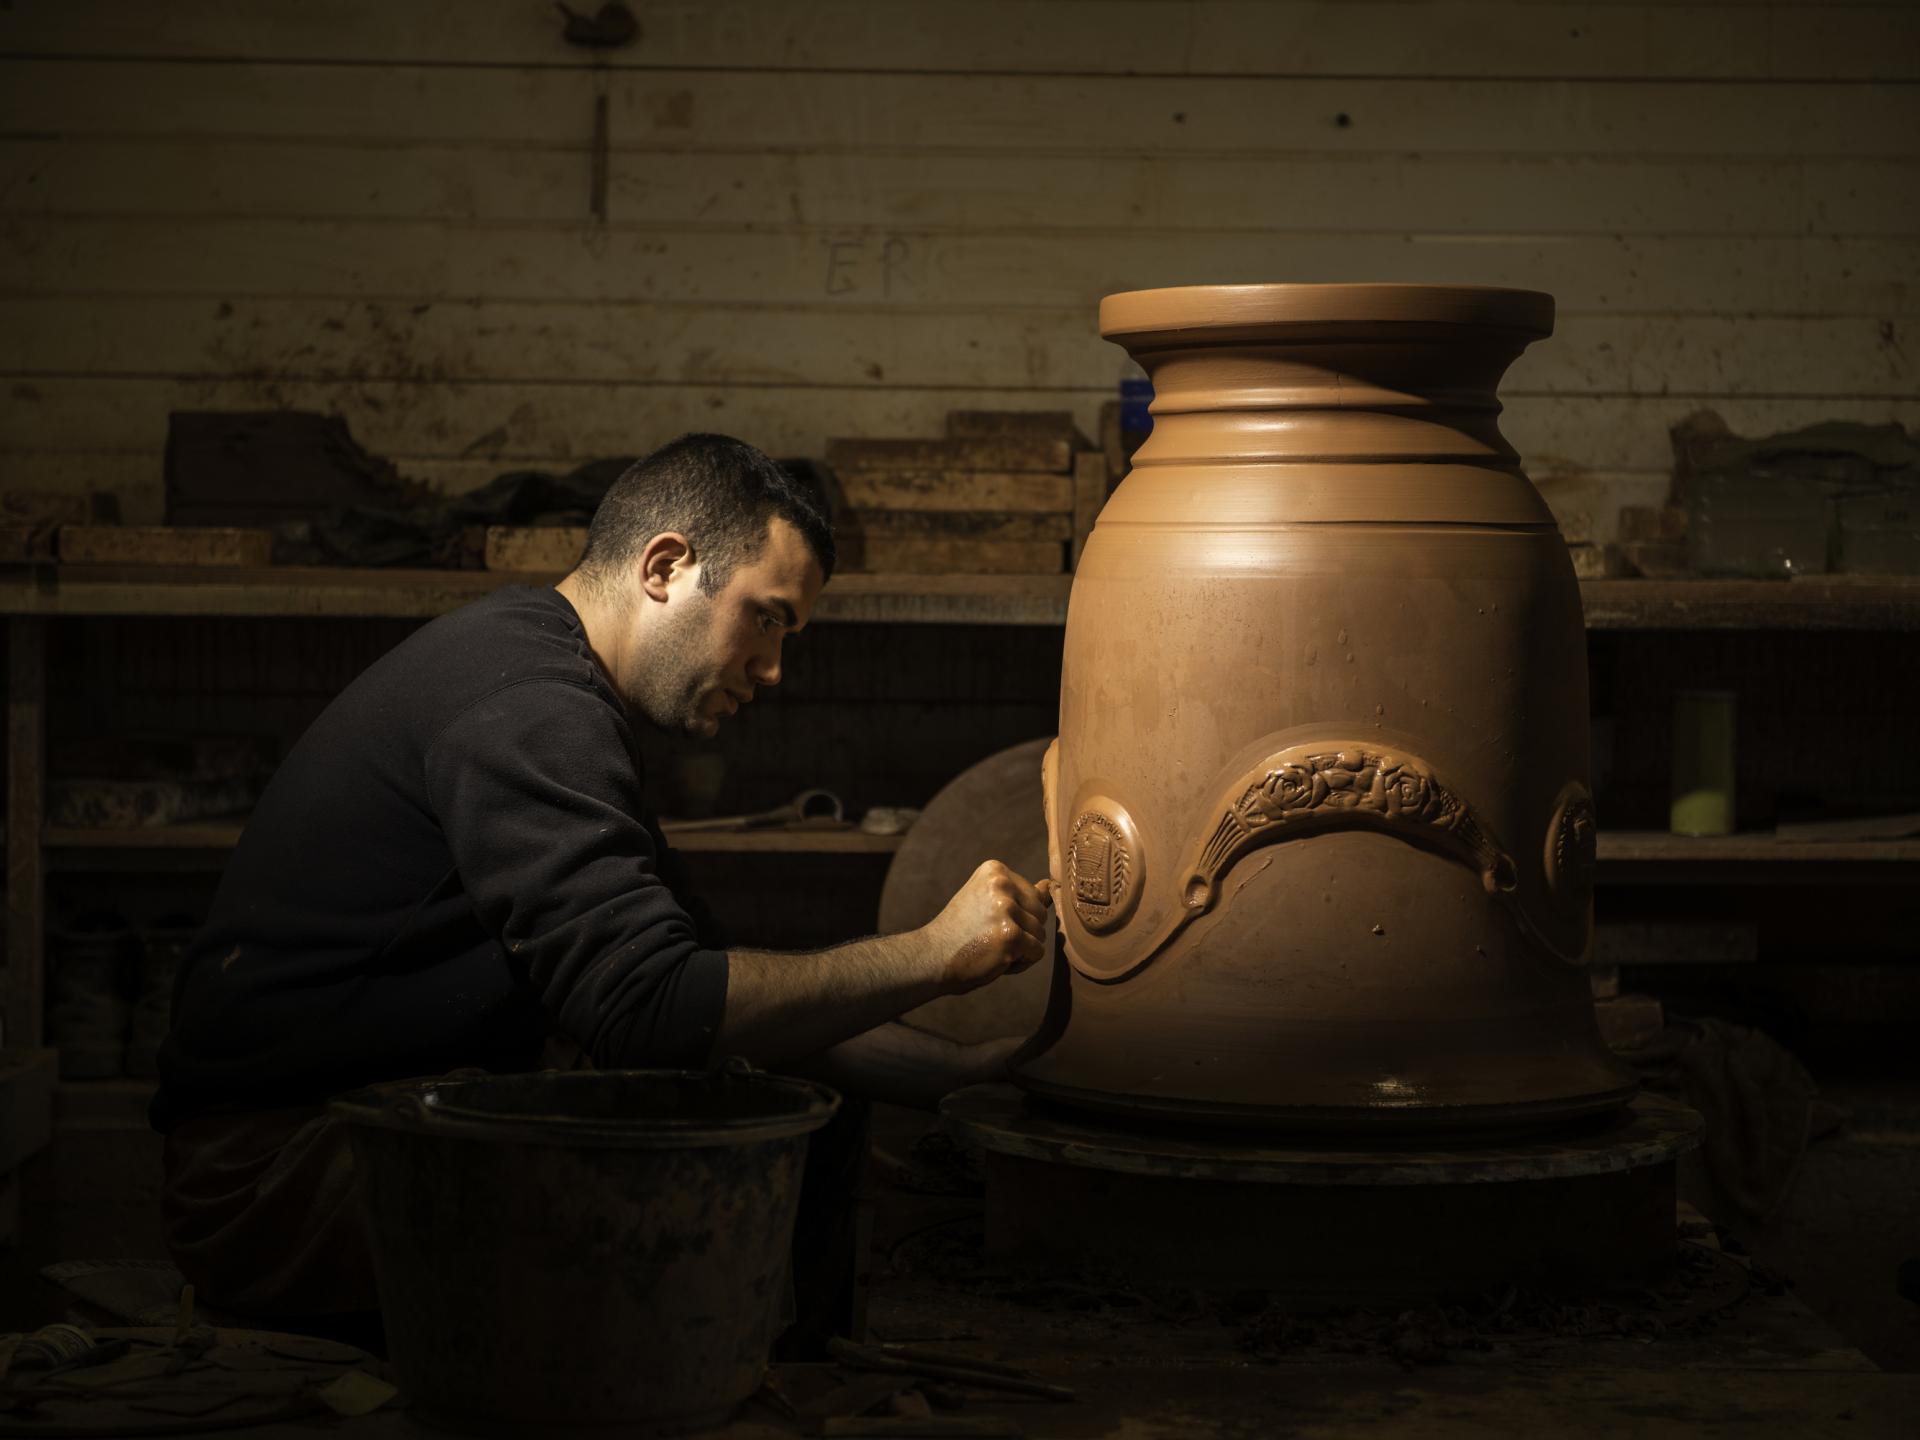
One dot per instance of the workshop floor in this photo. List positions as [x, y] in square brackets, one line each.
[1723, 1344]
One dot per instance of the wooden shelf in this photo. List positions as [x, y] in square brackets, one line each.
[784, 842]
[196, 835]
[1653, 857]
[1815, 603]
[224, 834]
[1757, 847]
[299, 591]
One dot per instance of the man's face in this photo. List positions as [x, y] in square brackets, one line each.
[707, 653]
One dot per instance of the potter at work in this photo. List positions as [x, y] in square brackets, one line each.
[458, 866]
[933, 720]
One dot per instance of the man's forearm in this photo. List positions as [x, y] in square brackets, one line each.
[783, 1006]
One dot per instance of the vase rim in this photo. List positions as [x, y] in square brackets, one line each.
[1226, 309]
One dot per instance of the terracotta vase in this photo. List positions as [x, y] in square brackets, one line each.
[1320, 802]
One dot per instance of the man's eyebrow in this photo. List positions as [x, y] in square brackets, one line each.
[783, 612]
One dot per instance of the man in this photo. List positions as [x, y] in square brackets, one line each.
[457, 866]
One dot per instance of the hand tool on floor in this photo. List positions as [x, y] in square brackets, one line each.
[955, 1368]
[820, 808]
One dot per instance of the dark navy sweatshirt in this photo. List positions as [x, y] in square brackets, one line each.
[456, 859]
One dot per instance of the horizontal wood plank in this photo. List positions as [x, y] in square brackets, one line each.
[1288, 37]
[1021, 492]
[879, 188]
[925, 556]
[544, 548]
[184, 545]
[1074, 114]
[958, 454]
[1555, 434]
[1759, 847]
[357, 341]
[1817, 603]
[225, 834]
[424, 264]
[298, 592]
[972, 525]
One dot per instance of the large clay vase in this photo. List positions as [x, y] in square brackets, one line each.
[1319, 804]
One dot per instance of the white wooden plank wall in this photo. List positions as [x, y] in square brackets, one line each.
[849, 216]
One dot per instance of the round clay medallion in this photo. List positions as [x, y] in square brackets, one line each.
[1104, 865]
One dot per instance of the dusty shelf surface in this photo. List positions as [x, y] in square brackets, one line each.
[316, 592]
[225, 834]
[1813, 603]
[1766, 856]
[1757, 847]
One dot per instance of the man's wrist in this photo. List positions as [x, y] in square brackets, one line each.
[929, 963]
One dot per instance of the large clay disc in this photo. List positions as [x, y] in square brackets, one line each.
[992, 811]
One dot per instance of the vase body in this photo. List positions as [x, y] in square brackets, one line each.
[1319, 806]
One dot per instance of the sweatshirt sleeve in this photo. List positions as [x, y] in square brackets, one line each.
[536, 789]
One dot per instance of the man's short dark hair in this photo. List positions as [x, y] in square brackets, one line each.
[721, 493]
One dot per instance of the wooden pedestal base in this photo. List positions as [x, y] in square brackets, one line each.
[1591, 1210]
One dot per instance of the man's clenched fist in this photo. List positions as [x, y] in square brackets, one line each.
[996, 924]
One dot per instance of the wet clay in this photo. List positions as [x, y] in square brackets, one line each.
[1319, 807]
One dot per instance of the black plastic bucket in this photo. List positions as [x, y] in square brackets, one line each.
[571, 1250]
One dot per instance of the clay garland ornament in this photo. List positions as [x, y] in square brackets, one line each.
[1321, 789]
[1308, 790]
[1573, 851]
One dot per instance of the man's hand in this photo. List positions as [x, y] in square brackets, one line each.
[996, 924]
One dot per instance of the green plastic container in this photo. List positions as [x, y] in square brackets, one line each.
[1703, 752]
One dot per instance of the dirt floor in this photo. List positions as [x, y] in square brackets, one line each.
[1725, 1341]
[1773, 1345]
[1852, 1221]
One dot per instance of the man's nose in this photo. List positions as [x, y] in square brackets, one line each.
[767, 669]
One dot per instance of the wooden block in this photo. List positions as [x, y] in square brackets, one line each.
[1050, 455]
[1025, 492]
[1628, 1022]
[1010, 424]
[26, 1103]
[54, 508]
[30, 520]
[1652, 522]
[851, 527]
[23, 544]
[164, 545]
[1658, 559]
[962, 557]
[1603, 981]
[1598, 562]
[547, 549]
[137, 804]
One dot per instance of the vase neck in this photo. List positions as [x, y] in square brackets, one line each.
[1342, 401]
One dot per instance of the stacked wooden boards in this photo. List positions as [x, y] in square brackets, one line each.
[1001, 493]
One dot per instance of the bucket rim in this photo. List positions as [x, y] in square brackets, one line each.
[413, 1107]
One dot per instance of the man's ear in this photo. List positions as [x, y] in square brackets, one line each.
[667, 557]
